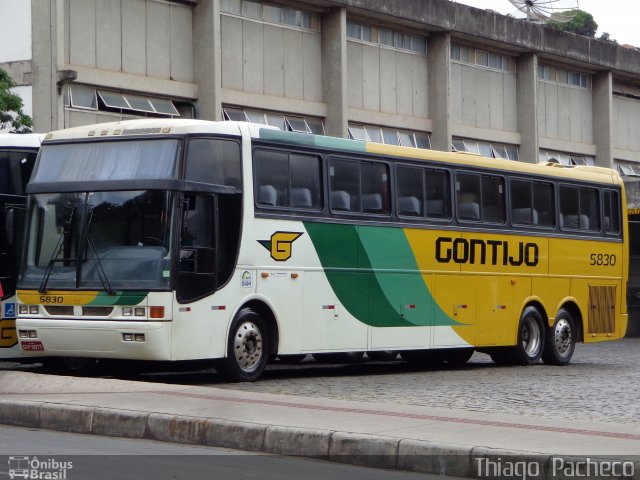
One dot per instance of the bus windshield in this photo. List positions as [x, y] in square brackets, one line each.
[99, 240]
[107, 160]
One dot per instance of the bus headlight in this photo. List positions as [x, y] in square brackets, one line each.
[23, 309]
[34, 309]
[127, 311]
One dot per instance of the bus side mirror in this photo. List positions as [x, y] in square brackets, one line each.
[14, 221]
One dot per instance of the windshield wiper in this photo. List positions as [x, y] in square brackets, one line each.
[54, 256]
[93, 252]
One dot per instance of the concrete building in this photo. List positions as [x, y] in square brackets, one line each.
[424, 73]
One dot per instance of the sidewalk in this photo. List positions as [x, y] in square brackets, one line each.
[430, 440]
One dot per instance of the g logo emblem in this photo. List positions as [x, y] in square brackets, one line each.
[280, 245]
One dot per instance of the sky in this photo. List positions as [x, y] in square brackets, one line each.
[619, 18]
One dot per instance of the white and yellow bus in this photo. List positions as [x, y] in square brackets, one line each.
[171, 240]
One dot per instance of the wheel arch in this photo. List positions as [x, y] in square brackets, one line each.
[538, 305]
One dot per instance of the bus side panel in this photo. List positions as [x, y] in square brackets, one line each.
[596, 286]
[9, 347]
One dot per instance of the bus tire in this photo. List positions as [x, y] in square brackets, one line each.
[247, 348]
[530, 344]
[560, 341]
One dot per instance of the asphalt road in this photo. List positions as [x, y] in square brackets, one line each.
[88, 457]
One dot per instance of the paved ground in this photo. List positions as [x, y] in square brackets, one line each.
[601, 384]
[386, 415]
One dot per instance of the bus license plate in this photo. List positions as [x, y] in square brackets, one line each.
[32, 346]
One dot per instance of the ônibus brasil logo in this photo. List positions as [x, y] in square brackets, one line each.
[33, 468]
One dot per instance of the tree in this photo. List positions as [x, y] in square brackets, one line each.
[12, 118]
[582, 23]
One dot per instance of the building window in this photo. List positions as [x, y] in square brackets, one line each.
[88, 98]
[482, 58]
[390, 38]
[271, 13]
[566, 159]
[291, 123]
[553, 74]
[389, 136]
[486, 149]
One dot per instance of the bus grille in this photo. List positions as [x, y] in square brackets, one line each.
[59, 310]
[97, 311]
[602, 314]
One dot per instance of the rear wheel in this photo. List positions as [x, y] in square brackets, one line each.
[560, 342]
[247, 348]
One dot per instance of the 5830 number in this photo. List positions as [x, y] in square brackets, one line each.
[603, 260]
[51, 299]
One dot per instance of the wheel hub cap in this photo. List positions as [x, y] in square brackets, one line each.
[247, 346]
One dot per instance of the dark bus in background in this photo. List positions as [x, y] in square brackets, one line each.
[632, 187]
[17, 157]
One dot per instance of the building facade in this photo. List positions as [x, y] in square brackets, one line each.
[421, 73]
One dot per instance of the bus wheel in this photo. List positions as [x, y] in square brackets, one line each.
[456, 356]
[530, 338]
[247, 348]
[560, 341]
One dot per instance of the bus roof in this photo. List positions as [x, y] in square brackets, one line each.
[20, 140]
[147, 126]
[151, 126]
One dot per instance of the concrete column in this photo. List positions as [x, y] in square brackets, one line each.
[527, 99]
[44, 50]
[439, 87]
[207, 59]
[603, 118]
[334, 71]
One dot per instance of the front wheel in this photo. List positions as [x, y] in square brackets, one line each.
[247, 348]
[560, 342]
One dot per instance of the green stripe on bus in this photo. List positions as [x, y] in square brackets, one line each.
[374, 274]
[120, 298]
[312, 140]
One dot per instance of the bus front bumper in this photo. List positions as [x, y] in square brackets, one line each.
[102, 339]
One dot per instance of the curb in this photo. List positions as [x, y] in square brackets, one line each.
[375, 451]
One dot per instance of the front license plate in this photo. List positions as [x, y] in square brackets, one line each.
[32, 346]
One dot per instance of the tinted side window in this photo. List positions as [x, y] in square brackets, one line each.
[532, 203]
[480, 197]
[423, 192]
[410, 191]
[214, 161]
[579, 208]
[611, 212]
[359, 186]
[287, 180]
